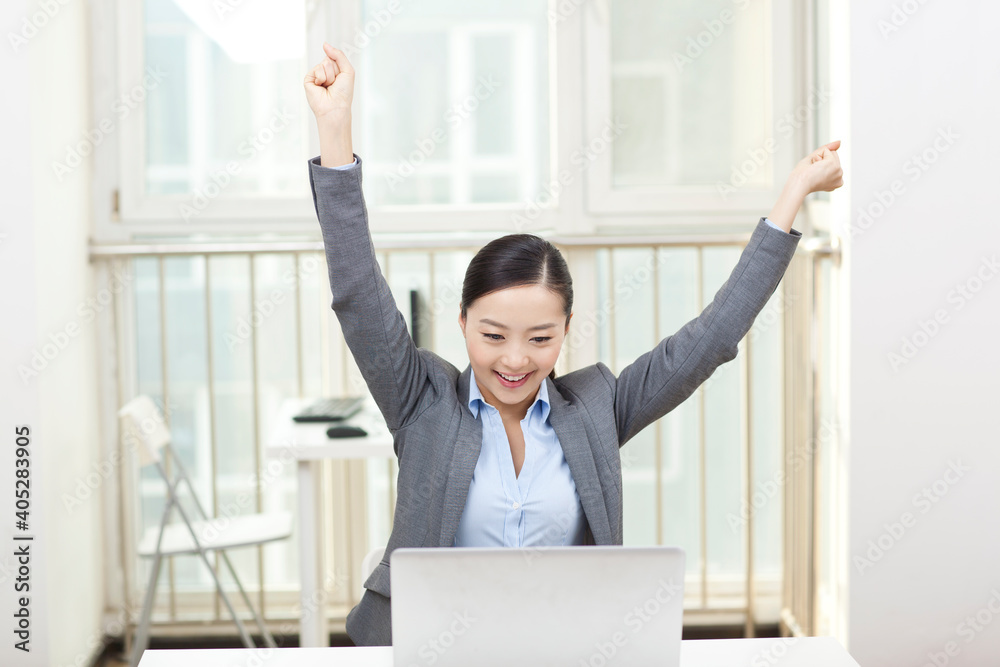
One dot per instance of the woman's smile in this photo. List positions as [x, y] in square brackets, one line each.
[511, 384]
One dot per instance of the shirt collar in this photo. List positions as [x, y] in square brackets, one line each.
[476, 398]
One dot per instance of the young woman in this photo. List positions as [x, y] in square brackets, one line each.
[505, 453]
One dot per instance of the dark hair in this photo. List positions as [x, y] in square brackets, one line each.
[517, 260]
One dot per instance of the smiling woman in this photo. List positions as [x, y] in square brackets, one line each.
[504, 453]
[518, 298]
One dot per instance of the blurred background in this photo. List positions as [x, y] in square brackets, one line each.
[159, 238]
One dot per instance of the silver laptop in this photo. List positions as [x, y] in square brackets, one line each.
[580, 606]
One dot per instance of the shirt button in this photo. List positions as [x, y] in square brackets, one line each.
[516, 505]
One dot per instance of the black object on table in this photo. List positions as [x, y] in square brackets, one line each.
[346, 431]
[330, 409]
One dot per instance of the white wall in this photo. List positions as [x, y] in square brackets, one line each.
[45, 277]
[938, 72]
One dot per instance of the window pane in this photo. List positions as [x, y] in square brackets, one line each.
[691, 82]
[226, 114]
[455, 102]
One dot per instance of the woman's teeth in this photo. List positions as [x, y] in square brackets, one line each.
[510, 378]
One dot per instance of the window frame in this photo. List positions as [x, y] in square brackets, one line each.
[573, 201]
[699, 203]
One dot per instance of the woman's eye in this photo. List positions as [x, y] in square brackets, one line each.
[540, 339]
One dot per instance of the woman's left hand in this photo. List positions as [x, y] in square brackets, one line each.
[820, 170]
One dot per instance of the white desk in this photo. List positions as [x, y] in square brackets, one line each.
[763, 652]
[308, 445]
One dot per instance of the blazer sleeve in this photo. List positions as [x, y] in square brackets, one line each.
[663, 378]
[375, 331]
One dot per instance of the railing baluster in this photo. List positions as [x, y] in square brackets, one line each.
[747, 410]
[211, 414]
[702, 466]
[256, 432]
[125, 508]
[658, 451]
[166, 412]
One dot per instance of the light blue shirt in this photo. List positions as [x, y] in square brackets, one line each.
[348, 166]
[538, 507]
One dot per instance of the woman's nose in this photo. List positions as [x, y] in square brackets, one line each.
[514, 357]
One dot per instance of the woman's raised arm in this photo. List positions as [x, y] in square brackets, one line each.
[375, 331]
[661, 379]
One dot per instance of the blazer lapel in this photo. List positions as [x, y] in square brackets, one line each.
[463, 462]
[567, 424]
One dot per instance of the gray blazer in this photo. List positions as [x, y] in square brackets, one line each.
[423, 397]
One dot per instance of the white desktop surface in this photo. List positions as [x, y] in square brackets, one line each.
[761, 652]
[309, 442]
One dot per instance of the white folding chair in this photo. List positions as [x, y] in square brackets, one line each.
[142, 421]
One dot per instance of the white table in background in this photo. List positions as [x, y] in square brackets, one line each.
[308, 445]
[779, 652]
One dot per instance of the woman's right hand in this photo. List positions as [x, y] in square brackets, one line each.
[330, 87]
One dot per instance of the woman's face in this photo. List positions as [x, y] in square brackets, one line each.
[517, 331]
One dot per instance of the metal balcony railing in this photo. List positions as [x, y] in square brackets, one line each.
[220, 332]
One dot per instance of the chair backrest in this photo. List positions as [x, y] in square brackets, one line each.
[143, 424]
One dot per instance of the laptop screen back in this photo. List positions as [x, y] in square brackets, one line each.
[592, 606]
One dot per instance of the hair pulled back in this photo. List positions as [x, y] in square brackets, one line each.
[517, 260]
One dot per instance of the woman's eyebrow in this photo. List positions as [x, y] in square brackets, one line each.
[504, 326]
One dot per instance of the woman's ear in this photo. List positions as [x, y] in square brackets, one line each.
[567, 323]
[461, 322]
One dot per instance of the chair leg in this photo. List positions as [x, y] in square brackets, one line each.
[268, 639]
[142, 632]
[218, 585]
[247, 641]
